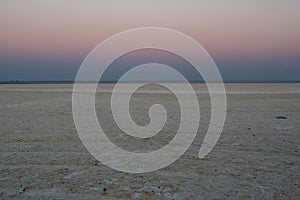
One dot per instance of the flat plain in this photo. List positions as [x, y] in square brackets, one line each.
[256, 157]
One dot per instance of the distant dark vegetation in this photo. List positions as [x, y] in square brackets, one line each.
[71, 82]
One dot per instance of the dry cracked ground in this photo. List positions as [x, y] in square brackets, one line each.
[257, 156]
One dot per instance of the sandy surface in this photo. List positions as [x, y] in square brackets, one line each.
[257, 156]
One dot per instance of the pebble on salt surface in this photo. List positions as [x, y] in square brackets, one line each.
[281, 117]
[22, 189]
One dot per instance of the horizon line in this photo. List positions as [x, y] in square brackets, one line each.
[110, 82]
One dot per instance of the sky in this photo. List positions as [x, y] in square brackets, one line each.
[257, 40]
